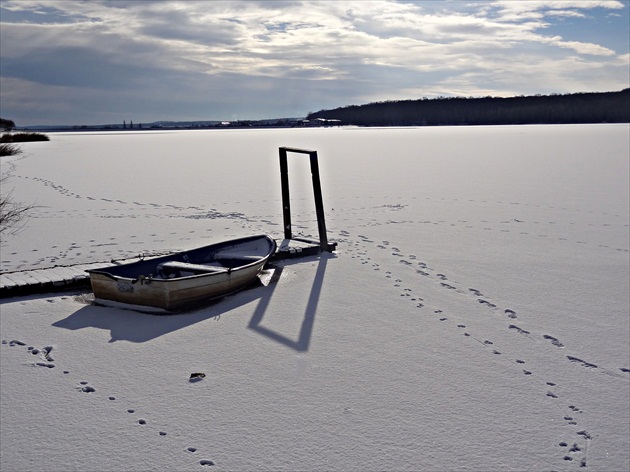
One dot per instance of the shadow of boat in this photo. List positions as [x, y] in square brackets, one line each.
[138, 327]
[126, 324]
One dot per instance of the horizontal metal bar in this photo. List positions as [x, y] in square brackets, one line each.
[301, 151]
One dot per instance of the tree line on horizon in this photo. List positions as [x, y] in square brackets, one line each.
[594, 107]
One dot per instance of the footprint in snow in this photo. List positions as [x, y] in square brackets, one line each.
[487, 303]
[518, 330]
[585, 434]
[510, 313]
[555, 341]
[84, 387]
[581, 362]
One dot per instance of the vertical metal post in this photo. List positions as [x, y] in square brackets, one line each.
[317, 192]
[319, 202]
[286, 199]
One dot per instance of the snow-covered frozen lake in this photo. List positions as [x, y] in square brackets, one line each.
[475, 315]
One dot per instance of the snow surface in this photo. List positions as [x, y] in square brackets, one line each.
[475, 316]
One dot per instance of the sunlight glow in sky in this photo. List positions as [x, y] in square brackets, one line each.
[105, 61]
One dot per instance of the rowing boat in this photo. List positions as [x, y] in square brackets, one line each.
[186, 278]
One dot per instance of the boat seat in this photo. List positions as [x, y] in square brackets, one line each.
[237, 255]
[167, 269]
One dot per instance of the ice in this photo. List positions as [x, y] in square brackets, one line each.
[474, 317]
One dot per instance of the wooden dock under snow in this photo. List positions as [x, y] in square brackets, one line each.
[73, 277]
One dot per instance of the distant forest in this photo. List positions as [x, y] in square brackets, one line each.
[606, 107]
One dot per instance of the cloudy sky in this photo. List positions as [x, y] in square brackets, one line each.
[105, 61]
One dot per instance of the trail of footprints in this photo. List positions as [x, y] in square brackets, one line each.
[506, 226]
[113, 248]
[573, 451]
[44, 358]
[503, 226]
[108, 249]
[193, 212]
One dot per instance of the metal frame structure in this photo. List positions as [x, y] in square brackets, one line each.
[317, 192]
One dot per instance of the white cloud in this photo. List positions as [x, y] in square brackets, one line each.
[523, 9]
[565, 13]
[584, 48]
[254, 38]
[340, 51]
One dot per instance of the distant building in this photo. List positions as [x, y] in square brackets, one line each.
[316, 122]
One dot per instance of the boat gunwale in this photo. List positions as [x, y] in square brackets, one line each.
[228, 271]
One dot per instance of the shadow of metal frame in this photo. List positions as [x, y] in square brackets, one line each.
[302, 343]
